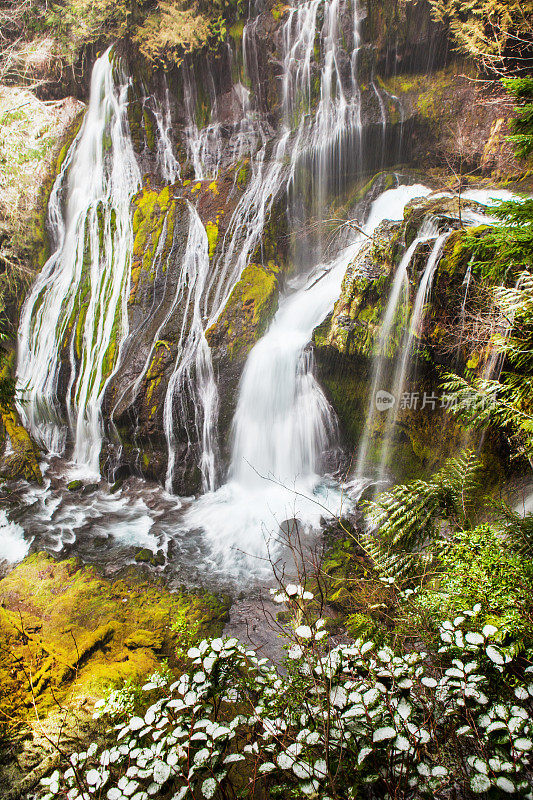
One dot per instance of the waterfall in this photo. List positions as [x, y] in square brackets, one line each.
[398, 296]
[192, 378]
[408, 348]
[86, 280]
[283, 422]
[204, 144]
[166, 160]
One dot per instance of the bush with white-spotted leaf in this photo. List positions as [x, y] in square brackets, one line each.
[341, 722]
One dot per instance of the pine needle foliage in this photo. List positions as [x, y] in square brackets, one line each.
[522, 125]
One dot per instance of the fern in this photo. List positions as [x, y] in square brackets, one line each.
[507, 402]
[517, 529]
[393, 565]
[410, 514]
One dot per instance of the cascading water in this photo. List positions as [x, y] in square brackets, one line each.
[406, 359]
[408, 349]
[166, 160]
[86, 277]
[192, 378]
[283, 422]
[398, 296]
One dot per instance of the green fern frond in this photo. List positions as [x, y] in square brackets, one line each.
[393, 564]
[409, 514]
[518, 529]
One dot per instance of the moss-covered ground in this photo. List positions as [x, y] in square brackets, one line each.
[67, 633]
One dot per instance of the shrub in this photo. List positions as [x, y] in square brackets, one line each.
[355, 720]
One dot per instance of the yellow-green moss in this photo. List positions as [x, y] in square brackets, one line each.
[248, 311]
[212, 236]
[152, 207]
[279, 10]
[23, 461]
[74, 632]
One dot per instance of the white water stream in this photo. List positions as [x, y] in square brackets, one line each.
[92, 240]
[283, 422]
[398, 296]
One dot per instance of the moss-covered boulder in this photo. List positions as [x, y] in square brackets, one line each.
[68, 636]
[21, 460]
[354, 323]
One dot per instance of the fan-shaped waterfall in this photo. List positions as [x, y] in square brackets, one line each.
[284, 423]
[91, 351]
[92, 242]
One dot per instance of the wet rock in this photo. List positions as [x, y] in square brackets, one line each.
[248, 311]
[144, 556]
[75, 486]
[89, 488]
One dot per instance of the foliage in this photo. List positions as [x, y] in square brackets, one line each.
[40, 35]
[508, 401]
[176, 28]
[480, 566]
[352, 721]
[7, 390]
[410, 513]
[522, 91]
[172, 30]
[496, 33]
[186, 630]
[77, 24]
[428, 536]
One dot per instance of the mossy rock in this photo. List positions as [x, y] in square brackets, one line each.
[76, 632]
[353, 327]
[145, 639]
[23, 460]
[249, 309]
[75, 486]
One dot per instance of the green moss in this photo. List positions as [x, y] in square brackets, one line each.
[23, 459]
[76, 632]
[152, 208]
[236, 31]
[455, 256]
[279, 10]
[248, 311]
[243, 172]
[212, 236]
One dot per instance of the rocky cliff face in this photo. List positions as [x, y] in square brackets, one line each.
[348, 343]
[204, 135]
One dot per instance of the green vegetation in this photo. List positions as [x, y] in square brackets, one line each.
[495, 33]
[353, 721]
[40, 35]
[75, 632]
[505, 253]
